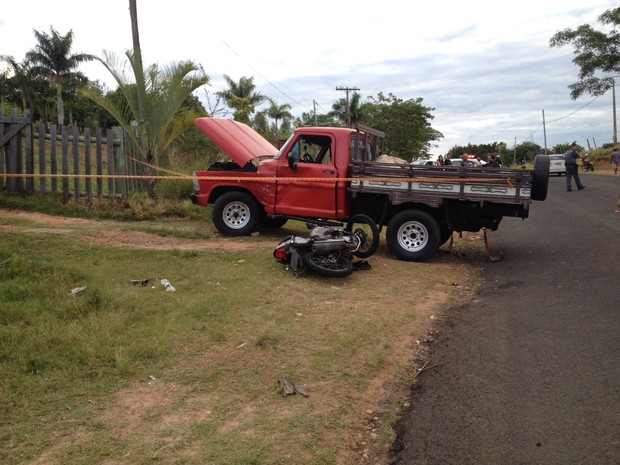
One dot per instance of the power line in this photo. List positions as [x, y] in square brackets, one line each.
[266, 80]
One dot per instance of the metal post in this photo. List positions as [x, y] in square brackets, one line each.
[544, 131]
[613, 96]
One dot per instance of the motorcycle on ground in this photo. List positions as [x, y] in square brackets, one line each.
[328, 250]
[586, 165]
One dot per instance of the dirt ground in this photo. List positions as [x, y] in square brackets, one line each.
[384, 391]
[108, 233]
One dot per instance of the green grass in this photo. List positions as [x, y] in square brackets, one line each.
[130, 374]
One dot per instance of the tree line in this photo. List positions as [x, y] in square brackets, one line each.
[157, 105]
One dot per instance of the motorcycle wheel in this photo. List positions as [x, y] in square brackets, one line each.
[367, 230]
[333, 265]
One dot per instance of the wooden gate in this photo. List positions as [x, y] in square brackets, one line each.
[12, 129]
[72, 161]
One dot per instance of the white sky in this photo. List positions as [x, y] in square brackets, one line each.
[486, 67]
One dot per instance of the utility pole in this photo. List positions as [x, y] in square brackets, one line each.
[314, 109]
[544, 131]
[613, 96]
[347, 90]
[514, 153]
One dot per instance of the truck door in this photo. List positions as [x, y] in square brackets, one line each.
[298, 195]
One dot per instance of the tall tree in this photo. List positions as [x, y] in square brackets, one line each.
[595, 52]
[52, 57]
[148, 105]
[21, 79]
[406, 124]
[343, 110]
[242, 97]
[278, 113]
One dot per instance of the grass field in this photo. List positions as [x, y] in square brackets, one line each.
[129, 374]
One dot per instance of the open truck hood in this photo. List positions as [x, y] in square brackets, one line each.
[237, 140]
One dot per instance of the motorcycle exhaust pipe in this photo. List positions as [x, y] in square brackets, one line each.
[329, 245]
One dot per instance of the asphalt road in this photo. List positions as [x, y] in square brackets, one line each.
[529, 372]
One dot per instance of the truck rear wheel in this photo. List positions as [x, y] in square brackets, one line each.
[236, 214]
[413, 235]
[540, 177]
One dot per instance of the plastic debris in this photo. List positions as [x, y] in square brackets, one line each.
[140, 282]
[289, 387]
[77, 290]
[169, 287]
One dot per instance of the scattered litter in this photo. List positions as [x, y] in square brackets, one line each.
[152, 378]
[77, 290]
[241, 261]
[299, 314]
[169, 287]
[255, 234]
[289, 387]
[140, 282]
[240, 345]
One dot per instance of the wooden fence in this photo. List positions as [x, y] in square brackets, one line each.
[44, 159]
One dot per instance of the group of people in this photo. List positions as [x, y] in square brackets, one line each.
[492, 161]
[570, 163]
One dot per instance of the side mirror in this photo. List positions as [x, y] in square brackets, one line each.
[291, 162]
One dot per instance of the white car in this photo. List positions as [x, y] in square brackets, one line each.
[556, 164]
[423, 162]
[459, 162]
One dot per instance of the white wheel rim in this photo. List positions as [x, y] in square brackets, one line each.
[236, 215]
[412, 236]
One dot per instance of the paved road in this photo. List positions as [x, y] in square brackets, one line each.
[529, 372]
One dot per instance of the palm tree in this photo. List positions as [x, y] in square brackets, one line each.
[148, 107]
[347, 112]
[52, 58]
[241, 96]
[278, 112]
[22, 79]
[147, 104]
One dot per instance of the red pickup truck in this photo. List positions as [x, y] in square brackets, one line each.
[328, 175]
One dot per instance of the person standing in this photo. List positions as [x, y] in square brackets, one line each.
[465, 161]
[492, 162]
[615, 159]
[570, 162]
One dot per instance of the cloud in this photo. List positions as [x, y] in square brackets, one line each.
[486, 68]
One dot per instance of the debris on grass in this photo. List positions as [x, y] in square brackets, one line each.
[169, 287]
[289, 387]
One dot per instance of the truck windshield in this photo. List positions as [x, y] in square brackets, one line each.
[284, 148]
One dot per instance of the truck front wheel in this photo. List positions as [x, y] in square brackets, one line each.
[236, 214]
[413, 235]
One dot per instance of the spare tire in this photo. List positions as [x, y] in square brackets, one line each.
[540, 177]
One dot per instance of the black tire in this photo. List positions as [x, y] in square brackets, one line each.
[540, 177]
[333, 265]
[272, 222]
[236, 214]
[445, 234]
[364, 227]
[413, 235]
